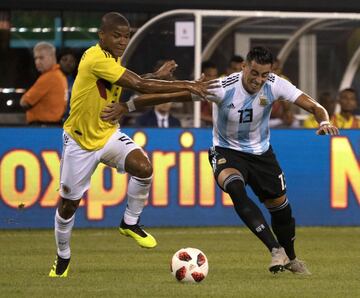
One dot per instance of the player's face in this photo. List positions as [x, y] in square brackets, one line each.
[116, 40]
[44, 60]
[255, 76]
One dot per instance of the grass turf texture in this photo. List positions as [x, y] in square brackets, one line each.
[107, 264]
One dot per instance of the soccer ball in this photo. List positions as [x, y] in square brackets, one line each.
[189, 265]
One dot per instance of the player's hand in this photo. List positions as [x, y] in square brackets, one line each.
[213, 84]
[113, 112]
[202, 88]
[166, 70]
[327, 129]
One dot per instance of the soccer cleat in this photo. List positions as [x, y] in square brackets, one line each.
[279, 260]
[143, 238]
[297, 267]
[60, 267]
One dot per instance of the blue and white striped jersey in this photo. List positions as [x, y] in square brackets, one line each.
[240, 119]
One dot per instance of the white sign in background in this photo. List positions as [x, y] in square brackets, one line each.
[184, 34]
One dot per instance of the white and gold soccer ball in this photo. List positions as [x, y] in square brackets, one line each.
[189, 265]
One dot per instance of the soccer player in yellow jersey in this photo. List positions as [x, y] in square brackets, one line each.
[88, 140]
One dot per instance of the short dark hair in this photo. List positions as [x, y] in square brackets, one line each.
[67, 51]
[208, 64]
[260, 55]
[111, 19]
[352, 90]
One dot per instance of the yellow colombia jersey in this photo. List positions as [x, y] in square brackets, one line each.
[310, 122]
[341, 122]
[92, 91]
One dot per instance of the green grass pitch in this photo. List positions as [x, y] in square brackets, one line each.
[107, 264]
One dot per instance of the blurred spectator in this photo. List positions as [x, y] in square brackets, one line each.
[68, 65]
[45, 101]
[235, 65]
[158, 117]
[210, 71]
[348, 104]
[277, 69]
[328, 102]
[282, 115]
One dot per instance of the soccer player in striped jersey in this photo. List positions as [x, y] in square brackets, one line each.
[88, 140]
[241, 153]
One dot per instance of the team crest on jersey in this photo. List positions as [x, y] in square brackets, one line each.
[221, 161]
[263, 101]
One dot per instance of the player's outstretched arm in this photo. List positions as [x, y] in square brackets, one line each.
[312, 106]
[115, 111]
[132, 81]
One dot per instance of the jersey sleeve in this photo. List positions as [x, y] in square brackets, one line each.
[284, 89]
[107, 68]
[37, 91]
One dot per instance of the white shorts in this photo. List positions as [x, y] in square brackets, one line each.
[78, 165]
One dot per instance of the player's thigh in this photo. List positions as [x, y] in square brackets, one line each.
[266, 177]
[224, 163]
[77, 166]
[225, 173]
[117, 150]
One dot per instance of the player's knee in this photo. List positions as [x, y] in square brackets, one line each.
[145, 170]
[281, 214]
[67, 208]
[234, 183]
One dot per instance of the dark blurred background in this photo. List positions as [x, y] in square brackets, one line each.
[73, 24]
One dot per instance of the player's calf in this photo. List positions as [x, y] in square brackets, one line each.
[283, 225]
[138, 192]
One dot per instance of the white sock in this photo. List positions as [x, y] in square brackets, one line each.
[63, 228]
[138, 193]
